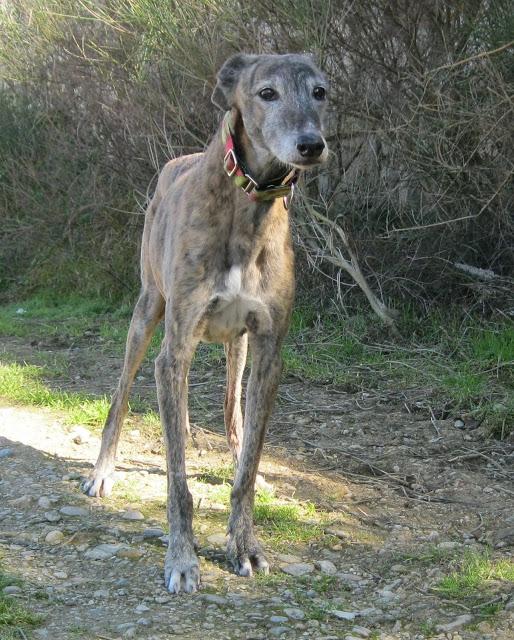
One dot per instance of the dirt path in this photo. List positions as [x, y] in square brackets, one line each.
[386, 500]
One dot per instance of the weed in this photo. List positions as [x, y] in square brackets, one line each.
[428, 628]
[499, 417]
[222, 474]
[42, 316]
[428, 556]
[288, 523]
[475, 575]
[13, 616]
[23, 384]
[491, 609]
[220, 494]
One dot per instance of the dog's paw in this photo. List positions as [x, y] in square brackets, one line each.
[246, 565]
[181, 572]
[99, 484]
[246, 555]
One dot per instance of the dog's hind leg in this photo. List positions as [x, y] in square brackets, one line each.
[147, 313]
[235, 352]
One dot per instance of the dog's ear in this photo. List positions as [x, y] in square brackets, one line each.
[223, 94]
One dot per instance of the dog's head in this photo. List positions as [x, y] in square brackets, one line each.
[282, 101]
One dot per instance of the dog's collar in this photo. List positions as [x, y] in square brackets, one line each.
[235, 169]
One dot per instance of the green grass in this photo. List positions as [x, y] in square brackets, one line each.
[475, 575]
[478, 582]
[221, 474]
[467, 363]
[427, 557]
[24, 385]
[428, 628]
[287, 523]
[15, 619]
[281, 523]
[42, 316]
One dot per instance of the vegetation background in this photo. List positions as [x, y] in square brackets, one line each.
[96, 96]
[414, 208]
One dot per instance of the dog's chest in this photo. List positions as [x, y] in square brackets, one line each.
[234, 309]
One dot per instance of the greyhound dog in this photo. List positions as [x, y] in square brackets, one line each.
[217, 264]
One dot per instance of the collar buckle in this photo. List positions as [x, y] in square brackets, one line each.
[251, 186]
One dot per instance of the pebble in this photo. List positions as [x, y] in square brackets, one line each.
[141, 608]
[278, 619]
[71, 510]
[327, 567]
[449, 544]
[399, 568]
[80, 435]
[338, 533]
[11, 590]
[52, 516]
[278, 631]
[121, 582]
[22, 501]
[132, 514]
[54, 537]
[101, 593]
[104, 551]
[294, 613]
[362, 632]
[350, 579]
[124, 626]
[385, 595]
[44, 502]
[130, 552]
[344, 615]
[454, 624]
[288, 558]
[144, 622]
[369, 612]
[5, 453]
[154, 532]
[298, 568]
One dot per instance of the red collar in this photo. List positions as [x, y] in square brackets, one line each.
[235, 169]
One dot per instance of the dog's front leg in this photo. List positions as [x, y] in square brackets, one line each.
[243, 549]
[181, 569]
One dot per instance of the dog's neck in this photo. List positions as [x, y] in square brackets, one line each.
[260, 163]
[273, 181]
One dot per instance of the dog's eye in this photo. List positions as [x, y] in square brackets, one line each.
[268, 94]
[319, 93]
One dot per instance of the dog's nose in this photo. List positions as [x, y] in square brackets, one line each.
[310, 146]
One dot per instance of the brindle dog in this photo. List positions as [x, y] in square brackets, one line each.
[217, 264]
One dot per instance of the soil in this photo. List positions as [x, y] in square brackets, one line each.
[407, 488]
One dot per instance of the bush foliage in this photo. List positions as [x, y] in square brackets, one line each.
[96, 94]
